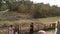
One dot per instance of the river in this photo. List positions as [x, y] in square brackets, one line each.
[48, 32]
[51, 32]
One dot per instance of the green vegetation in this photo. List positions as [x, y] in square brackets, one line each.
[0, 4]
[41, 20]
[38, 10]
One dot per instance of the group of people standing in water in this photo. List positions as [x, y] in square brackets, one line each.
[16, 30]
[13, 30]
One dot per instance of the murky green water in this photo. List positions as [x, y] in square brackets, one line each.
[51, 32]
[48, 32]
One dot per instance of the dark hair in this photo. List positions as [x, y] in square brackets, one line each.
[10, 25]
[31, 22]
[58, 22]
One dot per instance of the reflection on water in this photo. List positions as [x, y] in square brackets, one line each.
[51, 32]
[48, 32]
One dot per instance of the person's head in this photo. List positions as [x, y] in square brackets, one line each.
[42, 32]
[31, 23]
[10, 25]
[58, 22]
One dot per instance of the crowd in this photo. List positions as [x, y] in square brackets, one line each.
[16, 30]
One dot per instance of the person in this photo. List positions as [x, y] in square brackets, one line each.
[42, 32]
[31, 28]
[58, 27]
[16, 30]
[11, 29]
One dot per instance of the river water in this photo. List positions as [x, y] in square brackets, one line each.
[51, 32]
[48, 32]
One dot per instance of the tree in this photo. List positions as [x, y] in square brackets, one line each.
[0, 4]
[22, 8]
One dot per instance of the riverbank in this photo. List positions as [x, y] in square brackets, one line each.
[25, 22]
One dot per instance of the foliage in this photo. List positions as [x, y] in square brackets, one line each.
[0, 4]
[38, 10]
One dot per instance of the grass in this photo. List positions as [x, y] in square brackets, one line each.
[26, 21]
[42, 20]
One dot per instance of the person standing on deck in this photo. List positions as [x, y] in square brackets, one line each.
[58, 27]
[11, 29]
[16, 30]
[31, 28]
